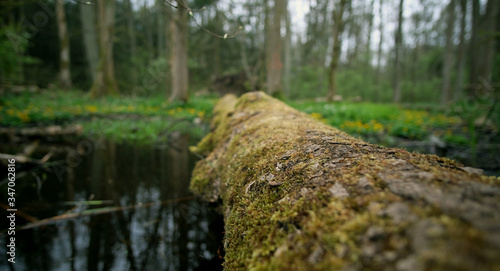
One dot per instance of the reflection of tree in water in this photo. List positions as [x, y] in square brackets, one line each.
[169, 237]
[172, 236]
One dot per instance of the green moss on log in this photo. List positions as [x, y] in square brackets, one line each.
[300, 195]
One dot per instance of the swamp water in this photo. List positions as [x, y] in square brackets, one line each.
[113, 207]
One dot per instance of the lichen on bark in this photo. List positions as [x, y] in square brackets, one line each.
[300, 195]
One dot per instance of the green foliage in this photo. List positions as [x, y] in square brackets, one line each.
[13, 46]
[308, 82]
[457, 139]
[408, 130]
[352, 83]
[152, 77]
[479, 113]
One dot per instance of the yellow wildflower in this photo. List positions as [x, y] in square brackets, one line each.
[91, 108]
[23, 116]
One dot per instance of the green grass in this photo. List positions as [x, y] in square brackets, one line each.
[134, 119]
[146, 119]
[366, 119]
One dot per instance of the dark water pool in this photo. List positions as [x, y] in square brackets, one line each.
[149, 220]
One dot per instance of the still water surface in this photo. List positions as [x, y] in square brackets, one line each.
[150, 220]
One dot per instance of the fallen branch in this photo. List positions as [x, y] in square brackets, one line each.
[96, 211]
[300, 195]
[52, 130]
[24, 159]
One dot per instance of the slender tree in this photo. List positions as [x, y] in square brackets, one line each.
[160, 5]
[398, 46]
[461, 50]
[105, 83]
[149, 29]
[379, 51]
[64, 60]
[449, 53]
[88, 18]
[179, 55]
[482, 47]
[132, 41]
[368, 48]
[288, 53]
[274, 63]
[338, 28]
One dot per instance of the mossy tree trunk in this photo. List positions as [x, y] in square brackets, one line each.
[300, 195]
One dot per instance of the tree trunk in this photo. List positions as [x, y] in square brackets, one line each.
[459, 87]
[274, 64]
[368, 48]
[301, 195]
[397, 51]
[449, 53]
[149, 23]
[133, 44]
[64, 61]
[105, 83]
[338, 28]
[474, 53]
[379, 52]
[87, 16]
[482, 48]
[288, 54]
[178, 57]
[168, 49]
[160, 5]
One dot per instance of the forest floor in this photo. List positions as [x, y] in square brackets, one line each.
[144, 120]
[137, 120]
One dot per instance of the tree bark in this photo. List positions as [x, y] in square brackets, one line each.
[368, 48]
[149, 23]
[397, 51]
[482, 47]
[338, 29]
[301, 195]
[105, 83]
[87, 15]
[379, 52]
[64, 61]
[132, 41]
[449, 53]
[287, 54]
[274, 63]
[474, 54]
[160, 6]
[178, 56]
[461, 51]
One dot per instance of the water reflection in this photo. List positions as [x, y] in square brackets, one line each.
[180, 234]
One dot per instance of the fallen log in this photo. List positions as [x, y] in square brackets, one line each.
[300, 195]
